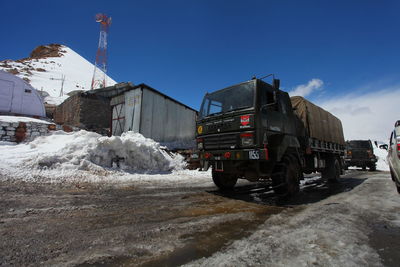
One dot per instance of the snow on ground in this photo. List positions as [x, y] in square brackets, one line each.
[21, 119]
[89, 157]
[331, 232]
[45, 74]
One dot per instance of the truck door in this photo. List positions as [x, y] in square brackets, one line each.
[273, 115]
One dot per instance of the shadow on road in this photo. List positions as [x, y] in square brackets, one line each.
[311, 191]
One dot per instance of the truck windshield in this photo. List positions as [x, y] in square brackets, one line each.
[233, 98]
[359, 144]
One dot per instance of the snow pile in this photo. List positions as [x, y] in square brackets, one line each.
[380, 154]
[382, 163]
[85, 151]
[46, 74]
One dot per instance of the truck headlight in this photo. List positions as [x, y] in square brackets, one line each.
[200, 143]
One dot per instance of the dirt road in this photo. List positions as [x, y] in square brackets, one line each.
[125, 225]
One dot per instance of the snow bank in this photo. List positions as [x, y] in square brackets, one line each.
[381, 154]
[382, 164]
[69, 153]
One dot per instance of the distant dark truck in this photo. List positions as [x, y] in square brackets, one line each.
[360, 153]
[254, 131]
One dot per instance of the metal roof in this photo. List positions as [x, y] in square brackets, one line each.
[120, 88]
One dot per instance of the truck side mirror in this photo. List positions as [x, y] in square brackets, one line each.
[385, 146]
[276, 83]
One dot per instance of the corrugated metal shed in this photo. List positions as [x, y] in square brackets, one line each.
[145, 110]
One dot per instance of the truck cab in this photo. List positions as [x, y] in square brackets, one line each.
[244, 130]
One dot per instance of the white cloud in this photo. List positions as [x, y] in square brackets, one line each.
[307, 89]
[366, 116]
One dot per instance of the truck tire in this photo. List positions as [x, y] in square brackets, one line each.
[392, 175]
[332, 171]
[372, 167]
[285, 178]
[224, 181]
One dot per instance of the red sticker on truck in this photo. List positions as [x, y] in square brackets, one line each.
[245, 120]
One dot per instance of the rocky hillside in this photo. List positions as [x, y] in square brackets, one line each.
[46, 68]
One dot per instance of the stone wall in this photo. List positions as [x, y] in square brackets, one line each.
[23, 131]
[88, 112]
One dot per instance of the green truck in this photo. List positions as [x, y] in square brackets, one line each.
[360, 153]
[255, 131]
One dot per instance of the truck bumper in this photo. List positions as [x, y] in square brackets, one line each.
[248, 162]
[234, 155]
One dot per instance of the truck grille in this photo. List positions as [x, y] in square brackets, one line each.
[220, 141]
[359, 154]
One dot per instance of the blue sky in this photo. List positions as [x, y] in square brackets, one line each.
[185, 48]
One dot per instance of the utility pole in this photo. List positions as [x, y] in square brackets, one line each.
[62, 83]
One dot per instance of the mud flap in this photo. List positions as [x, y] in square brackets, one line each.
[204, 166]
[219, 166]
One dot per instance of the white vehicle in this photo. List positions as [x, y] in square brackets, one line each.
[393, 156]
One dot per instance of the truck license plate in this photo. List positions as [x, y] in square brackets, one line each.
[253, 154]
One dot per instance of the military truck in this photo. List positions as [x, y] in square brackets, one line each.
[254, 130]
[360, 153]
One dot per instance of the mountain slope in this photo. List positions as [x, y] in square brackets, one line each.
[47, 65]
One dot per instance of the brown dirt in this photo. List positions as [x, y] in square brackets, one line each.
[44, 51]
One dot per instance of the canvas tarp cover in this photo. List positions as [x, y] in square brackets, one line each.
[320, 124]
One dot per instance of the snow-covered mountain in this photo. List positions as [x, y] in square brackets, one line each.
[48, 65]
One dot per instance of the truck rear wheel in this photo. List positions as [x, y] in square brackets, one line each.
[224, 181]
[332, 170]
[285, 178]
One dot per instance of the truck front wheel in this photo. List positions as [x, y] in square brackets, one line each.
[224, 181]
[285, 179]
[372, 167]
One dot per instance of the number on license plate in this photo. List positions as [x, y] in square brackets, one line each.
[253, 154]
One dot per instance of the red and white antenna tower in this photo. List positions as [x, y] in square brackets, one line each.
[100, 66]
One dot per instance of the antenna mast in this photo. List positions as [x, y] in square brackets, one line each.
[100, 66]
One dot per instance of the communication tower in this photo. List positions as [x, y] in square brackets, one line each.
[100, 66]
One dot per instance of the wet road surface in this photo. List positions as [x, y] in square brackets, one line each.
[90, 225]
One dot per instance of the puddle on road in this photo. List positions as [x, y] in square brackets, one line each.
[206, 243]
[198, 245]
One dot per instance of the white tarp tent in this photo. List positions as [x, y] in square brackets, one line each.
[18, 97]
